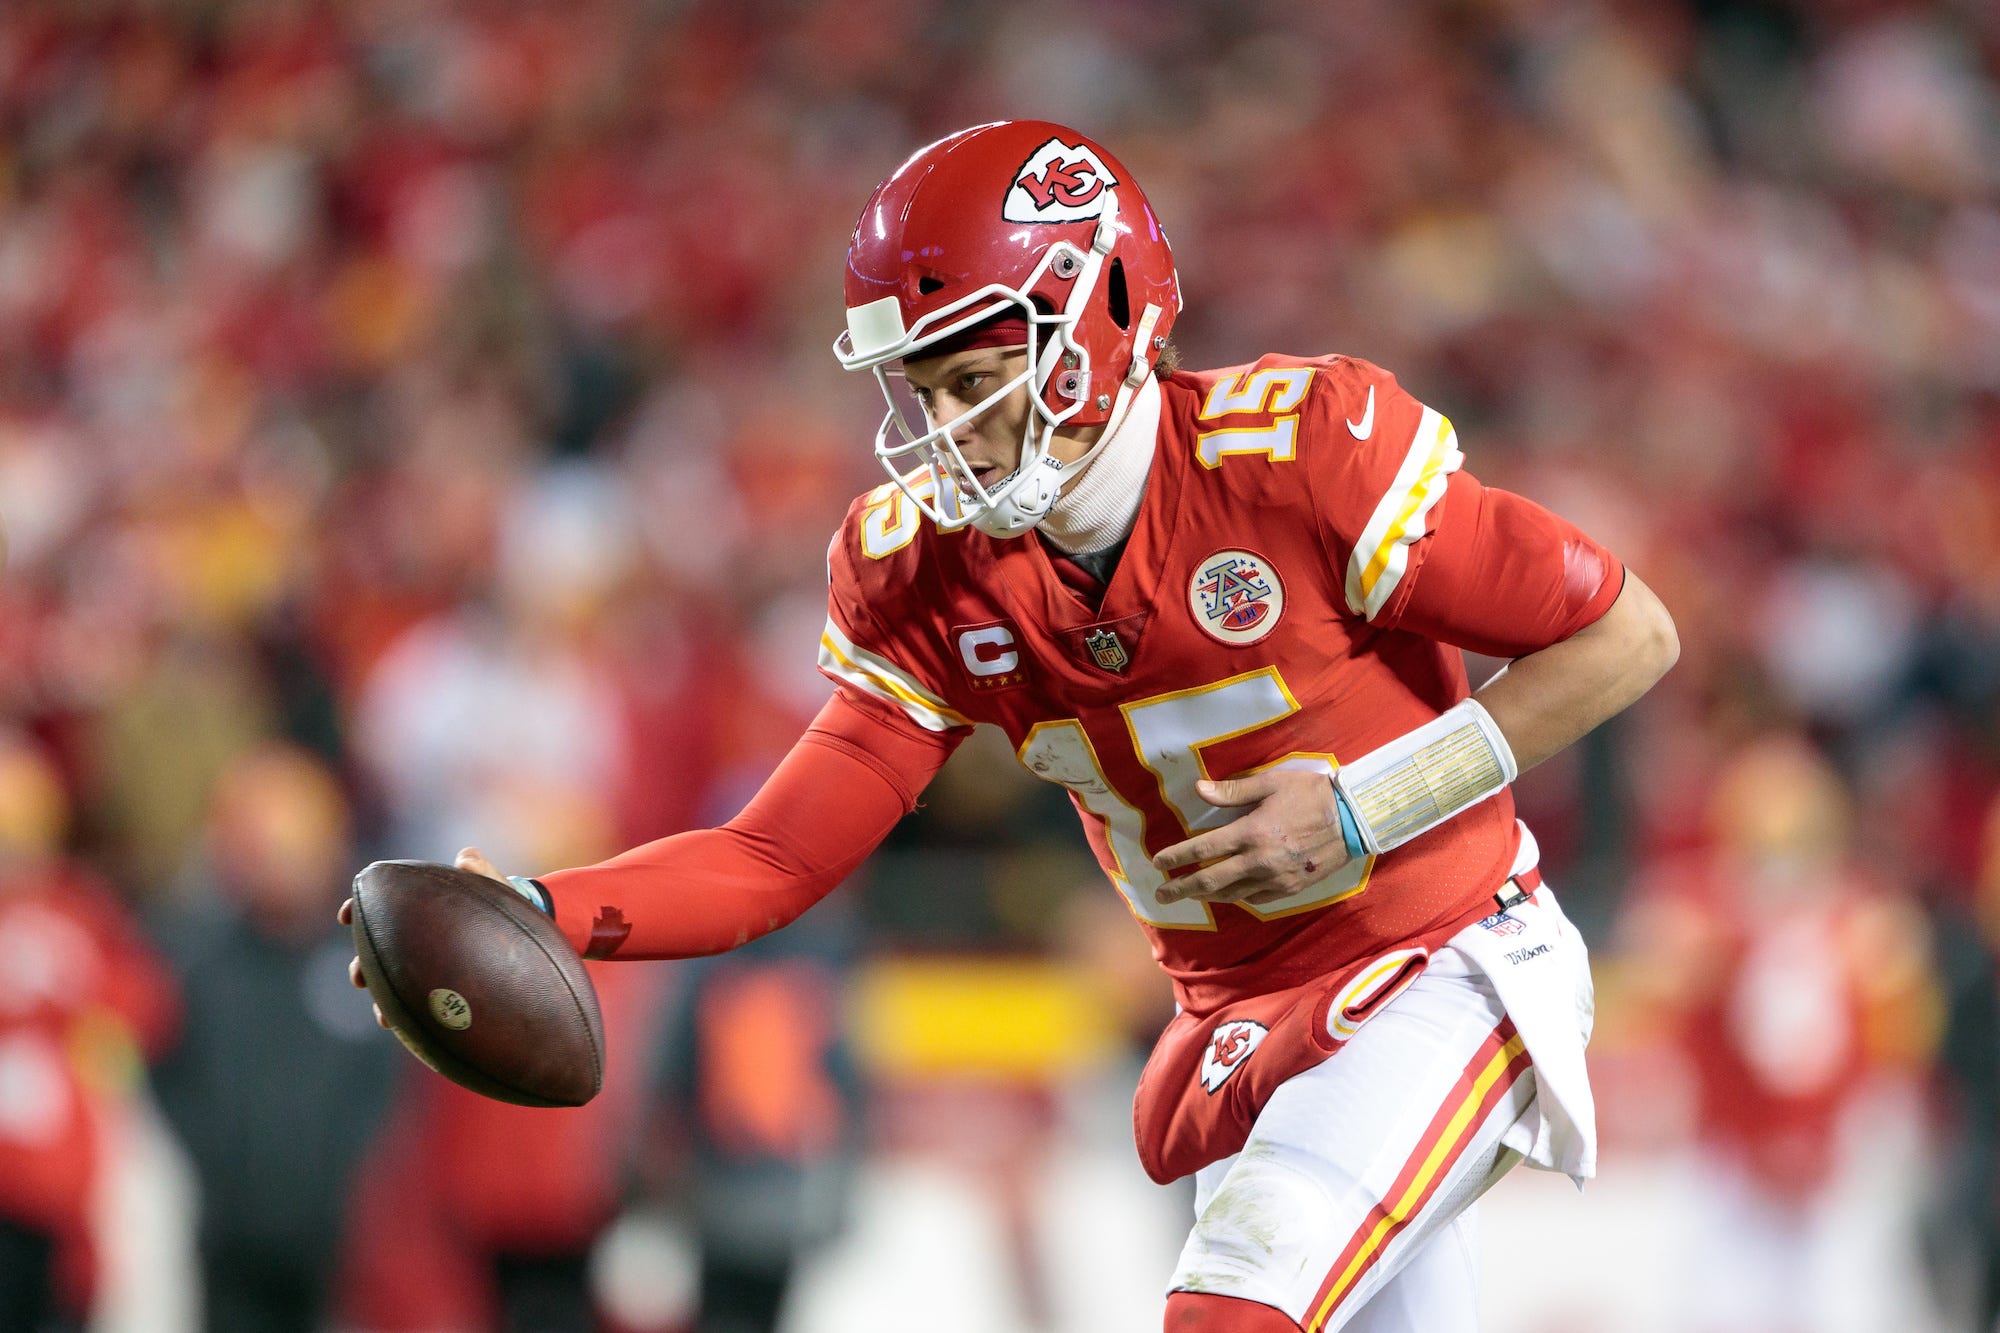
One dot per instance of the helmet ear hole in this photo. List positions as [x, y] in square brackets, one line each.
[925, 286]
[1115, 293]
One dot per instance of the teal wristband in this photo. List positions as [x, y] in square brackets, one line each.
[1350, 831]
[535, 892]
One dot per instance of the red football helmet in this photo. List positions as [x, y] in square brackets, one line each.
[1020, 220]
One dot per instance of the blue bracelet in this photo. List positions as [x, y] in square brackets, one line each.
[535, 892]
[1350, 830]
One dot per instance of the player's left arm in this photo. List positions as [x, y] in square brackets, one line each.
[1445, 557]
[1585, 657]
[1502, 576]
[1550, 699]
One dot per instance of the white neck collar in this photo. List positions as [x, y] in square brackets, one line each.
[1098, 506]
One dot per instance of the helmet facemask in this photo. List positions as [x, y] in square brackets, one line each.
[1058, 368]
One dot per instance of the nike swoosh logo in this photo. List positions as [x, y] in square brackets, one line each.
[1365, 427]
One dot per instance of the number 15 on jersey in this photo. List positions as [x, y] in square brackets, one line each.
[1168, 733]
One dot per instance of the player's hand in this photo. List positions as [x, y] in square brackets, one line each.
[1286, 839]
[475, 860]
[469, 859]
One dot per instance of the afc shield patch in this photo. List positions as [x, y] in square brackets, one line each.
[1228, 1047]
[1236, 596]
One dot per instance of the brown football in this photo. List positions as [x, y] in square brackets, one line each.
[478, 984]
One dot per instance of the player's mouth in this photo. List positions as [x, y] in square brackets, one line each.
[970, 474]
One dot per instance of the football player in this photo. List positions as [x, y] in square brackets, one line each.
[1224, 609]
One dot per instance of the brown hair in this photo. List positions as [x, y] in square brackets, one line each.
[1168, 361]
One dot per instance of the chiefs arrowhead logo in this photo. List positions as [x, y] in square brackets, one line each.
[1228, 1047]
[1060, 183]
[1071, 184]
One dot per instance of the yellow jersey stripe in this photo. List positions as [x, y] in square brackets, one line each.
[840, 658]
[1421, 497]
[1376, 564]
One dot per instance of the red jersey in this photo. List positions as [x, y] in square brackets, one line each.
[1796, 986]
[1306, 563]
[81, 992]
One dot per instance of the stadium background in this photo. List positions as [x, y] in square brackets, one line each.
[417, 428]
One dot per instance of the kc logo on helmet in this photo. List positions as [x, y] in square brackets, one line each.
[1060, 183]
[1228, 1047]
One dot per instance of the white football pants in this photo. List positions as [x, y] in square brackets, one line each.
[1351, 1204]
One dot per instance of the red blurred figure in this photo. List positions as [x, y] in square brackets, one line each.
[1795, 982]
[83, 999]
[752, 1116]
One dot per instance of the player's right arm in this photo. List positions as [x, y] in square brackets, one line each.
[857, 771]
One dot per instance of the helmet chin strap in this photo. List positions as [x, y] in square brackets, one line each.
[1035, 496]
[1027, 501]
[1128, 390]
[1030, 498]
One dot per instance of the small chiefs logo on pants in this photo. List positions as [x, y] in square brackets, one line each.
[1228, 1047]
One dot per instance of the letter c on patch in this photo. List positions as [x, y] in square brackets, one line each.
[989, 651]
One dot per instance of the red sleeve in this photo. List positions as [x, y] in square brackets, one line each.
[1422, 546]
[1504, 576]
[856, 771]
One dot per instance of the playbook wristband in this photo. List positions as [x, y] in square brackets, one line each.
[1408, 787]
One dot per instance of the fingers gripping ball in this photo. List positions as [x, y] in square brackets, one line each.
[478, 984]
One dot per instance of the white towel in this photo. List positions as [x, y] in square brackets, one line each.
[1540, 969]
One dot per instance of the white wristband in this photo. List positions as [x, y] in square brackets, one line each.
[1422, 778]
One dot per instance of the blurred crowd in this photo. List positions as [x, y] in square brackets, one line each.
[417, 428]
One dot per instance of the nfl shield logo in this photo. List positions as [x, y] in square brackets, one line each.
[1107, 650]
